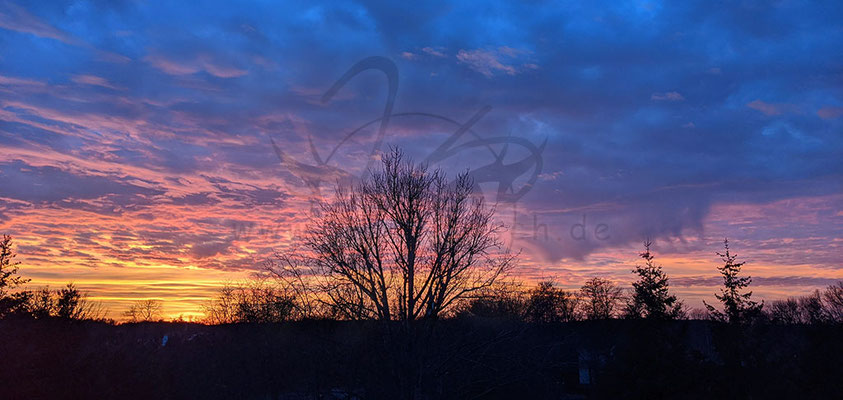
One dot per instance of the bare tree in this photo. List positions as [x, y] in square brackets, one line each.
[144, 310]
[600, 298]
[548, 304]
[298, 284]
[833, 298]
[813, 308]
[404, 244]
[503, 300]
[785, 311]
[41, 303]
[223, 308]
[255, 300]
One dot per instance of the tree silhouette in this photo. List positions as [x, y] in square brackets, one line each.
[548, 304]
[499, 301]
[405, 244]
[833, 297]
[144, 310]
[651, 296]
[785, 311]
[72, 304]
[600, 298]
[813, 309]
[737, 306]
[256, 300]
[9, 278]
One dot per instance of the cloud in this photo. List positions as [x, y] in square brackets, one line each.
[209, 249]
[202, 62]
[16, 18]
[830, 112]
[95, 81]
[52, 185]
[12, 81]
[491, 62]
[436, 52]
[757, 281]
[770, 108]
[667, 96]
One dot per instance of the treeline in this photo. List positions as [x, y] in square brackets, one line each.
[264, 301]
[65, 303]
[275, 298]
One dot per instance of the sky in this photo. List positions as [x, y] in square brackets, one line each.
[156, 150]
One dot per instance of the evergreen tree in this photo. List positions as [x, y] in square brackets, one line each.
[737, 306]
[9, 278]
[651, 296]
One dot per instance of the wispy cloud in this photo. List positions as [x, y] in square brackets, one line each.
[199, 63]
[772, 108]
[667, 96]
[17, 18]
[830, 112]
[491, 62]
[436, 52]
[95, 81]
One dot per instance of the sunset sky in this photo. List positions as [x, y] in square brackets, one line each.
[136, 137]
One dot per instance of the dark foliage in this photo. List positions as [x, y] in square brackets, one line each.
[651, 297]
[548, 304]
[9, 278]
[600, 298]
[466, 358]
[738, 306]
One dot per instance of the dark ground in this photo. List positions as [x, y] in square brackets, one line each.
[467, 358]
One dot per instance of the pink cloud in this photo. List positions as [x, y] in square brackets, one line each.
[667, 96]
[771, 108]
[15, 18]
[436, 52]
[830, 112]
[95, 81]
[485, 62]
[200, 63]
[12, 81]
